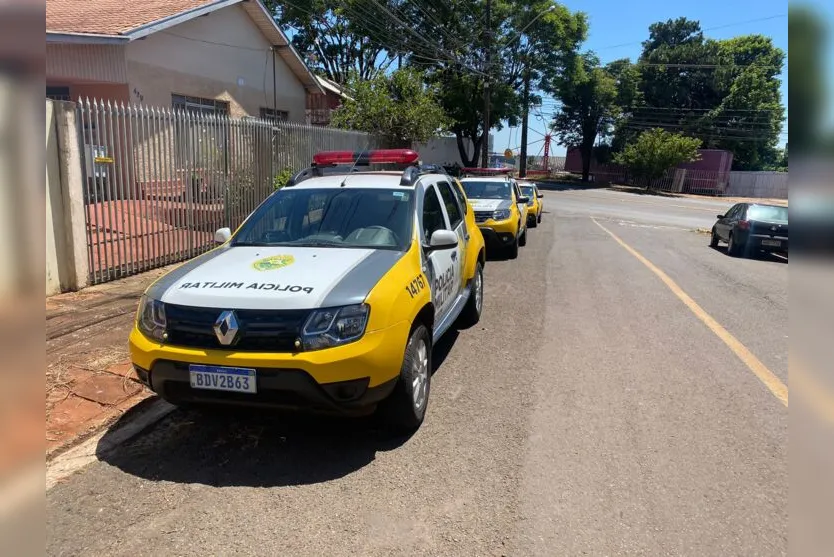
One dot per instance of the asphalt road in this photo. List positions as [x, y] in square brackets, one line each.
[591, 412]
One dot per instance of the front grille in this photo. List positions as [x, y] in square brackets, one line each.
[482, 216]
[258, 330]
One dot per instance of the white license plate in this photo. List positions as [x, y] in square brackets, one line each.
[216, 378]
[772, 243]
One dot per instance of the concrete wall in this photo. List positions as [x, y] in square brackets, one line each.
[219, 56]
[766, 185]
[66, 242]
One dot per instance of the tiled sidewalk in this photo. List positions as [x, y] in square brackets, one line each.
[89, 380]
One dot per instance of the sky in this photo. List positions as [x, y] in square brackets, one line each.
[616, 29]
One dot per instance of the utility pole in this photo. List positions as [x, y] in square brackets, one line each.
[525, 114]
[488, 63]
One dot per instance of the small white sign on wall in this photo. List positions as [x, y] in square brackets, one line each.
[241, 82]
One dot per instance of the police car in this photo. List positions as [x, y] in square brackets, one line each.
[328, 297]
[500, 208]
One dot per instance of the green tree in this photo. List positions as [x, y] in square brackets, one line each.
[399, 107]
[724, 92]
[655, 151]
[588, 96]
[448, 41]
[339, 37]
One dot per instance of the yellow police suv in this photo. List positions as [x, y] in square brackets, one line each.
[535, 204]
[500, 210]
[329, 296]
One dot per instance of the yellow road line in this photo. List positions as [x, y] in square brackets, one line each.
[773, 383]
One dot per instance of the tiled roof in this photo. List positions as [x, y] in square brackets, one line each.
[112, 17]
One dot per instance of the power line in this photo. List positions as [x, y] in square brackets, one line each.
[777, 16]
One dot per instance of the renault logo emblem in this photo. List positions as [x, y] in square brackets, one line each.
[226, 327]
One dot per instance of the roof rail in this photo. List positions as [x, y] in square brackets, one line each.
[412, 173]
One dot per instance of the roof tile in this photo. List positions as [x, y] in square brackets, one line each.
[111, 17]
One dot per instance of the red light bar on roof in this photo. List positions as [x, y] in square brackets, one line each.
[378, 156]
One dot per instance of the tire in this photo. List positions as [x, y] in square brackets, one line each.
[532, 223]
[522, 241]
[539, 218]
[404, 410]
[713, 240]
[512, 251]
[733, 248]
[471, 313]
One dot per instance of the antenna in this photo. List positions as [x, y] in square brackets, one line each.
[355, 162]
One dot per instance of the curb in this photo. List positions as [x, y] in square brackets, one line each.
[74, 459]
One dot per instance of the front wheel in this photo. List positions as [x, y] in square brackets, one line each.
[522, 241]
[471, 313]
[405, 408]
[713, 240]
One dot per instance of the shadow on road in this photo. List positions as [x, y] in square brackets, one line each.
[235, 447]
[757, 255]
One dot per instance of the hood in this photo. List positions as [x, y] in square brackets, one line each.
[275, 277]
[490, 204]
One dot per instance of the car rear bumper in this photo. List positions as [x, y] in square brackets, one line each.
[767, 243]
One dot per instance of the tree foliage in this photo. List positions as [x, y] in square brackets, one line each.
[724, 92]
[592, 98]
[448, 42]
[398, 107]
[657, 150]
[338, 37]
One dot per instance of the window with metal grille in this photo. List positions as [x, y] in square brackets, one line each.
[272, 115]
[201, 143]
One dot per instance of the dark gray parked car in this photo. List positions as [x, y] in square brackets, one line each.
[749, 227]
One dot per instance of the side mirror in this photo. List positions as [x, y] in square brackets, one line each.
[540, 195]
[222, 235]
[443, 239]
[720, 216]
[523, 199]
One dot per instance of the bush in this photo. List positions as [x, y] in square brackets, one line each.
[655, 151]
[282, 178]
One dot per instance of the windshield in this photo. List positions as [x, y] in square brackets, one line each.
[527, 191]
[768, 213]
[487, 190]
[344, 217]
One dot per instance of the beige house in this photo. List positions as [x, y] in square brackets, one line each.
[220, 56]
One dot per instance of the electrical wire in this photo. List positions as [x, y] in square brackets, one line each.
[777, 16]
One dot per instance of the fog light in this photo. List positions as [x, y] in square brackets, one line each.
[143, 375]
[346, 391]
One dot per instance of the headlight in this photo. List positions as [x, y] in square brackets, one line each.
[150, 318]
[501, 214]
[531, 202]
[334, 326]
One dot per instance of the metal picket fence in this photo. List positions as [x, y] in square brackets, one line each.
[160, 181]
[674, 180]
